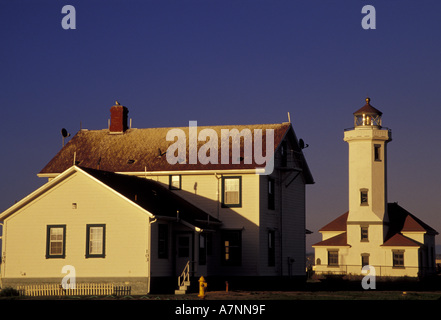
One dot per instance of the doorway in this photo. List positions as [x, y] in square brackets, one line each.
[184, 251]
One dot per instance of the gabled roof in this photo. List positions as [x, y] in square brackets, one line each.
[338, 224]
[140, 150]
[398, 240]
[156, 200]
[339, 240]
[400, 220]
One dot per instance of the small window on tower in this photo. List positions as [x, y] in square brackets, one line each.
[377, 152]
[364, 259]
[364, 197]
[364, 234]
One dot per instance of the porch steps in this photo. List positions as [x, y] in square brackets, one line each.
[183, 288]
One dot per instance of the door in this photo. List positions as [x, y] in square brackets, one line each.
[184, 251]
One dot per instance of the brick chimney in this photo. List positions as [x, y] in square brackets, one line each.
[118, 119]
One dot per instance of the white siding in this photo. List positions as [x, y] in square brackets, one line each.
[127, 231]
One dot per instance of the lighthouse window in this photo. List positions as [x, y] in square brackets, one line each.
[377, 152]
[398, 258]
[333, 258]
[364, 197]
[364, 234]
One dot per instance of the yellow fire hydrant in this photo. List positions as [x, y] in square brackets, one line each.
[202, 286]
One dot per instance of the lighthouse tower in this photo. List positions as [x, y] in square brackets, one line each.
[367, 217]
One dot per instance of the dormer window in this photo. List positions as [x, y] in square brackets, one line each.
[175, 182]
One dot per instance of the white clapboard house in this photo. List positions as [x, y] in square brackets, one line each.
[117, 211]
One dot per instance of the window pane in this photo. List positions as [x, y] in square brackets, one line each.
[175, 182]
[56, 248]
[96, 240]
[232, 248]
[333, 258]
[364, 234]
[364, 197]
[56, 241]
[271, 197]
[271, 249]
[398, 259]
[364, 260]
[232, 195]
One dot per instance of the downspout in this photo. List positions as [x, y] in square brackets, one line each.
[281, 223]
[148, 253]
[218, 193]
[3, 255]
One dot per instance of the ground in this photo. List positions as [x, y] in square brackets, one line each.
[267, 295]
[325, 289]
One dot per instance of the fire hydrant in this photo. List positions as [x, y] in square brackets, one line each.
[202, 286]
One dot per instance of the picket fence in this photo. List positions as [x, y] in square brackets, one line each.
[81, 289]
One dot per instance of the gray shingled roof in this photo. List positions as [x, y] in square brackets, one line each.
[138, 150]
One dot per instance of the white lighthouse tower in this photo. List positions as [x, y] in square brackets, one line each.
[373, 232]
[367, 217]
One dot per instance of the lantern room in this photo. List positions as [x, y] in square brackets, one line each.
[367, 116]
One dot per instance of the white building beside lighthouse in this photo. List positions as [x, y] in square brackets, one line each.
[373, 231]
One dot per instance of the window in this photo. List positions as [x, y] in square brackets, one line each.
[56, 241]
[271, 248]
[333, 258]
[231, 191]
[175, 182]
[364, 197]
[271, 197]
[232, 248]
[364, 234]
[209, 243]
[162, 241]
[95, 240]
[284, 154]
[398, 258]
[202, 249]
[364, 259]
[377, 152]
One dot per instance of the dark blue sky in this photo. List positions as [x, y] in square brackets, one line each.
[228, 62]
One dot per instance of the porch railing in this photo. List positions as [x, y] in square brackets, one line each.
[185, 275]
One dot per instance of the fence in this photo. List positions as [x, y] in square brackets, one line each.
[380, 270]
[81, 289]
